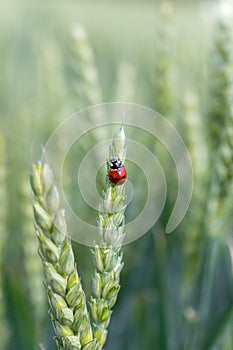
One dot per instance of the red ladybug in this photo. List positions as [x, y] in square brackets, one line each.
[117, 172]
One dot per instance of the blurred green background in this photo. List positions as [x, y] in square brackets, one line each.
[58, 57]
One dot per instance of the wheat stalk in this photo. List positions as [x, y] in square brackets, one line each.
[67, 300]
[221, 186]
[221, 128]
[4, 331]
[198, 151]
[163, 67]
[221, 70]
[84, 77]
[54, 87]
[107, 255]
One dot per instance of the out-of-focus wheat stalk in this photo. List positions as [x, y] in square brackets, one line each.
[220, 82]
[48, 97]
[52, 75]
[163, 62]
[197, 146]
[107, 255]
[4, 331]
[82, 71]
[126, 82]
[221, 127]
[67, 300]
[83, 85]
[221, 184]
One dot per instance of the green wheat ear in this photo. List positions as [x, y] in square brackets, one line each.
[107, 255]
[31, 261]
[220, 87]
[221, 132]
[66, 297]
[84, 83]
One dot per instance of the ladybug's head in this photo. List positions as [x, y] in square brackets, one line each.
[115, 164]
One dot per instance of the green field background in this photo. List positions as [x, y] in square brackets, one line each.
[171, 56]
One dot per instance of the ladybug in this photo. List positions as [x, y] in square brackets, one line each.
[117, 172]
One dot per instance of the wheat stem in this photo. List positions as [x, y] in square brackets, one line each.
[198, 150]
[163, 67]
[4, 331]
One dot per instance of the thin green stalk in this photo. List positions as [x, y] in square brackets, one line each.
[224, 323]
[66, 297]
[198, 151]
[206, 290]
[4, 331]
[107, 255]
[163, 69]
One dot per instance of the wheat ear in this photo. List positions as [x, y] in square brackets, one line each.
[220, 87]
[68, 312]
[84, 83]
[31, 261]
[107, 255]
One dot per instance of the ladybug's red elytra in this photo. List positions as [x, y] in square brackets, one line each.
[117, 172]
